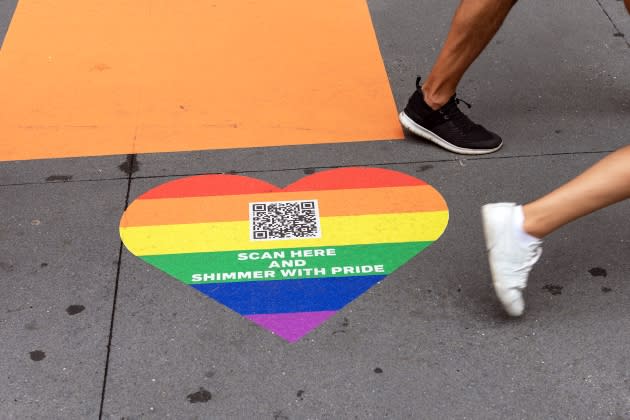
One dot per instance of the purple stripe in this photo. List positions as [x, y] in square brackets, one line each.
[291, 326]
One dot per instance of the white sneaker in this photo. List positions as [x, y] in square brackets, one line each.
[510, 260]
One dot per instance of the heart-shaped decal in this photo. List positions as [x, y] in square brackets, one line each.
[285, 258]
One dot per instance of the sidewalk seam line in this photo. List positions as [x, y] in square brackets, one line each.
[310, 167]
[20, 184]
[115, 300]
[375, 164]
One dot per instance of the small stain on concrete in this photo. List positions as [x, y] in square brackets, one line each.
[344, 324]
[598, 272]
[606, 289]
[279, 415]
[130, 165]
[57, 178]
[37, 355]
[201, 396]
[553, 289]
[75, 309]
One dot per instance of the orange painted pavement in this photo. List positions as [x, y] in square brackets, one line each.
[167, 211]
[91, 78]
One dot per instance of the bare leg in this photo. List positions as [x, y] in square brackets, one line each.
[474, 24]
[603, 184]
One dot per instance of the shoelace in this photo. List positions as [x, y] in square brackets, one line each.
[458, 100]
[535, 253]
[450, 111]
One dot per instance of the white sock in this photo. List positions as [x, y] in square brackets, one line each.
[523, 237]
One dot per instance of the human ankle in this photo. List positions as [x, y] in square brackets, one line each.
[433, 99]
[531, 223]
[522, 234]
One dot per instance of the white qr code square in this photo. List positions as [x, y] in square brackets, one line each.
[284, 220]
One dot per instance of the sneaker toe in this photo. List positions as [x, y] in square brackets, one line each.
[512, 300]
[490, 141]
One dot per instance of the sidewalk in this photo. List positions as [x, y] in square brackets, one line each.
[90, 331]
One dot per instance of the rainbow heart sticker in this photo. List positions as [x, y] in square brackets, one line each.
[285, 258]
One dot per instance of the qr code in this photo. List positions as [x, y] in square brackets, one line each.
[284, 220]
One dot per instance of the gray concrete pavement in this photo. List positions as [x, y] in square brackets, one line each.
[90, 332]
[58, 268]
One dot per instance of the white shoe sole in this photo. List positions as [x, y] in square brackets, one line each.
[418, 130]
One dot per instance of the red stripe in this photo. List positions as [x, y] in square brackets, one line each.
[349, 178]
[206, 185]
[334, 179]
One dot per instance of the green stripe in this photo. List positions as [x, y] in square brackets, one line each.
[390, 256]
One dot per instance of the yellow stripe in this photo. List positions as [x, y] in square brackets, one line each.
[234, 236]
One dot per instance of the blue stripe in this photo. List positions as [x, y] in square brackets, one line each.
[283, 296]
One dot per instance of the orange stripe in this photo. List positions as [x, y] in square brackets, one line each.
[170, 211]
[161, 76]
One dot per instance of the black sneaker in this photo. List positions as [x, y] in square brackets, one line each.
[447, 127]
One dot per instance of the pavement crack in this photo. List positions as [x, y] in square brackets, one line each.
[617, 32]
